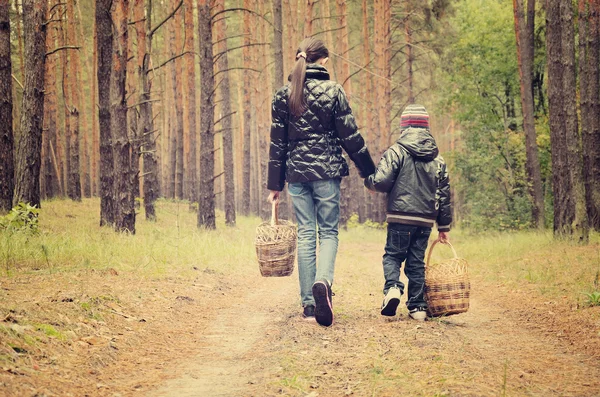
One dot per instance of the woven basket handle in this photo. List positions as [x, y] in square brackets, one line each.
[433, 245]
[274, 213]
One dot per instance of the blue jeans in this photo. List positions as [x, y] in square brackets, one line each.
[406, 243]
[317, 208]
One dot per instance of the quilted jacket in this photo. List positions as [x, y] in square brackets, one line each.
[309, 147]
[416, 180]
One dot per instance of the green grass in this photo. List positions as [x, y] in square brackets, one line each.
[70, 238]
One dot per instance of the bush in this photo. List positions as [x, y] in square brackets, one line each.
[22, 218]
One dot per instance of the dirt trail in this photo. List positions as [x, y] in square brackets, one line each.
[220, 369]
[509, 343]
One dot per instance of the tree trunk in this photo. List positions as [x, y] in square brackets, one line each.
[51, 174]
[95, 138]
[104, 39]
[369, 115]
[178, 94]
[206, 205]
[563, 118]
[190, 60]
[279, 78]
[225, 116]
[124, 217]
[146, 124]
[409, 55]
[248, 109]
[6, 115]
[524, 33]
[308, 18]
[29, 146]
[73, 106]
[589, 80]
[574, 151]
[86, 177]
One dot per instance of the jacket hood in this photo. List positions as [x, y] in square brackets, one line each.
[419, 143]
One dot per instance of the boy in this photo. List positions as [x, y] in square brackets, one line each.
[416, 180]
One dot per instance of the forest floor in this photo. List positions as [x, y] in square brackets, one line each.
[229, 332]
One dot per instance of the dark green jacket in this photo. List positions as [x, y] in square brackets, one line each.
[309, 147]
[416, 180]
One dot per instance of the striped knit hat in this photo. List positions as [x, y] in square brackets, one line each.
[414, 116]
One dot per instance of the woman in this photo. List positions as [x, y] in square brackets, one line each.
[311, 123]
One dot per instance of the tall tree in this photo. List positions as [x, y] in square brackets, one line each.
[278, 43]
[190, 61]
[226, 115]
[146, 124]
[124, 218]
[73, 107]
[6, 113]
[525, 33]
[206, 205]
[589, 83]
[29, 146]
[178, 93]
[566, 155]
[248, 109]
[104, 39]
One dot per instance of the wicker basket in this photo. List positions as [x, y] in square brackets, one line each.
[276, 246]
[447, 286]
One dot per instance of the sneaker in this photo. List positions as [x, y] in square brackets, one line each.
[418, 313]
[391, 302]
[309, 312]
[323, 309]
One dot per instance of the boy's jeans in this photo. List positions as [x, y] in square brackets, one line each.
[406, 242]
[316, 203]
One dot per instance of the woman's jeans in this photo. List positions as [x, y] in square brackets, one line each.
[406, 242]
[317, 208]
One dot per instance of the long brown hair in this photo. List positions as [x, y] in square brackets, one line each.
[310, 50]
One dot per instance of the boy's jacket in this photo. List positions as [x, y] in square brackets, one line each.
[309, 147]
[416, 180]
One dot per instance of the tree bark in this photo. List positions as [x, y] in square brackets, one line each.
[190, 60]
[248, 109]
[29, 146]
[124, 218]
[178, 93]
[95, 135]
[369, 110]
[73, 106]
[226, 124]
[206, 205]
[279, 78]
[104, 39]
[146, 124]
[589, 80]
[524, 33]
[6, 113]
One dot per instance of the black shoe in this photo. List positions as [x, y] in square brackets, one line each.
[309, 312]
[323, 309]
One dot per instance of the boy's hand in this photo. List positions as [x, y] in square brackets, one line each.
[444, 238]
[274, 196]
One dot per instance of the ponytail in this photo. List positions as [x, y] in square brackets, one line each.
[297, 102]
[310, 51]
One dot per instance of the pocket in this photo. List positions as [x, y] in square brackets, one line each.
[327, 189]
[399, 240]
[295, 189]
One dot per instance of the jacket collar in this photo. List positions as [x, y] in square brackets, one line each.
[316, 71]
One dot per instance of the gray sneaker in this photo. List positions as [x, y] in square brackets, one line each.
[418, 313]
[391, 302]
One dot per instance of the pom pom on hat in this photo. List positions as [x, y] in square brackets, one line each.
[414, 116]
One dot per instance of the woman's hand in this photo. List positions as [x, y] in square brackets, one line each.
[444, 238]
[274, 196]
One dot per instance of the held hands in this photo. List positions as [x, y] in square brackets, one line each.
[273, 196]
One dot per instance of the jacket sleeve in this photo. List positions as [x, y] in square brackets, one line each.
[444, 218]
[350, 138]
[278, 150]
[386, 172]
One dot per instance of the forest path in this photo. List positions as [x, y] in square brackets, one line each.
[227, 342]
[511, 342]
